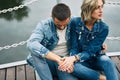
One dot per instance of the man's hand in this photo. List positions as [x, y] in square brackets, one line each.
[68, 64]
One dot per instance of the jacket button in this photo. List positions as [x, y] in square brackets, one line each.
[92, 37]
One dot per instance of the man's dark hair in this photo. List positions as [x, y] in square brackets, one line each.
[61, 12]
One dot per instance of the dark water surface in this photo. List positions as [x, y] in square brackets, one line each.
[16, 26]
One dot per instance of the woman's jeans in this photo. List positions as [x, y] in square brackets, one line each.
[103, 63]
[46, 69]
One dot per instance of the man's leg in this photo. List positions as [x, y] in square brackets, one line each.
[107, 65]
[52, 68]
[42, 68]
[64, 75]
[59, 74]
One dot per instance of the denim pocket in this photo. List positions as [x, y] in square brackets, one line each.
[44, 41]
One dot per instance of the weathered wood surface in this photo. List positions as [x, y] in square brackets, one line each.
[22, 71]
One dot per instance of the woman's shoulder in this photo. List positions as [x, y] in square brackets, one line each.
[103, 24]
[76, 19]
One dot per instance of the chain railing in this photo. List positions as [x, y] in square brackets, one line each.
[13, 45]
[24, 42]
[30, 2]
[113, 38]
[17, 7]
[113, 3]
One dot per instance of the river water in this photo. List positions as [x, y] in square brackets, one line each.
[16, 26]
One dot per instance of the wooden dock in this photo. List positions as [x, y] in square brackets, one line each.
[17, 71]
[22, 71]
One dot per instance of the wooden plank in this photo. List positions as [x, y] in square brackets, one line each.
[2, 74]
[25, 72]
[12, 64]
[17, 63]
[30, 75]
[117, 62]
[10, 74]
[20, 70]
[119, 66]
[113, 53]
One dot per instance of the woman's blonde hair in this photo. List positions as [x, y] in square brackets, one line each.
[88, 6]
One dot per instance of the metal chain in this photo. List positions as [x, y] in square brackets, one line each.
[16, 7]
[26, 4]
[13, 45]
[30, 2]
[112, 3]
[23, 42]
[113, 38]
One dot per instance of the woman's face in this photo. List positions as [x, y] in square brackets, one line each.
[98, 12]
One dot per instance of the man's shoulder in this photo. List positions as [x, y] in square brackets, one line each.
[46, 21]
[44, 24]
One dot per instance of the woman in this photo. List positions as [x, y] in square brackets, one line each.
[87, 38]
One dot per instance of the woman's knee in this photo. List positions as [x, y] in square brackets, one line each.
[106, 61]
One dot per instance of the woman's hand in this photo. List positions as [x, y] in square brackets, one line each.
[104, 48]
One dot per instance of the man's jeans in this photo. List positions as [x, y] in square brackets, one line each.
[46, 69]
[103, 63]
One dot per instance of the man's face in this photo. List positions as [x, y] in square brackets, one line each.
[61, 24]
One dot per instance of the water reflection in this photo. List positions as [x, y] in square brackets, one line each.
[12, 30]
[59, 1]
[17, 14]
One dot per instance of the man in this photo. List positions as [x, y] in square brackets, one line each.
[49, 43]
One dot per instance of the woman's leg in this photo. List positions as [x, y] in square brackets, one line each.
[85, 73]
[108, 66]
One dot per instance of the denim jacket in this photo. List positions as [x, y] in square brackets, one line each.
[44, 38]
[85, 43]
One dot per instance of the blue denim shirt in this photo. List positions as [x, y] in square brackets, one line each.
[44, 38]
[85, 43]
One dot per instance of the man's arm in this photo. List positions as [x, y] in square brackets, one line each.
[54, 57]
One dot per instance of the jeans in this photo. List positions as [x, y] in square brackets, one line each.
[88, 70]
[46, 69]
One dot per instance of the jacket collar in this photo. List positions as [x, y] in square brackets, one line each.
[96, 27]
